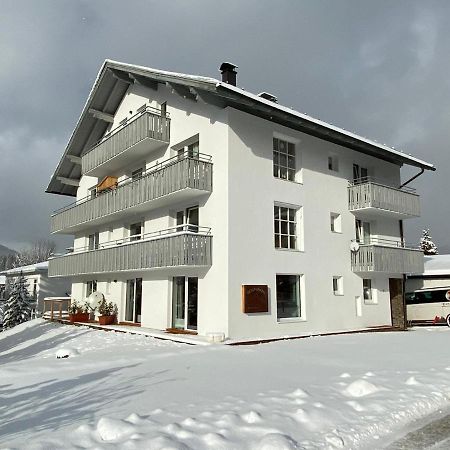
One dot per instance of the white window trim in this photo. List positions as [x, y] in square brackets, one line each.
[374, 299]
[298, 177]
[334, 163]
[300, 247]
[302, 317]
[340, 285]
[338, 216]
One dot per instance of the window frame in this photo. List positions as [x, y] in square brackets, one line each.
[289, 153]
[278, 225]
[91, 286]
[333, 163]
[94, 243]
[371, 299]
[336, 223]
[338, 285]
[300, 298]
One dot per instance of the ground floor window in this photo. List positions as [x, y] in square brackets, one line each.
[184, 302]
[367, 290]
[91, 286]
[133, 303]
[288, 296]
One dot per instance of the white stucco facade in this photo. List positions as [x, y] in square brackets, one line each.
[239, 211]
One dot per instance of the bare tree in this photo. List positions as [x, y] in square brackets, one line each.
[38, 252]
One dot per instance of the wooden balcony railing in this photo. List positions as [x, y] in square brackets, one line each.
[385, 257]
[185, 245]
[147, 124]
[368, 194]
[171, 176]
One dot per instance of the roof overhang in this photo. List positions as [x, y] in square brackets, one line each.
[113, 81]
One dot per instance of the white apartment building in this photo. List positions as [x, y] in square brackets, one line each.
[37, 282]
[202, 207]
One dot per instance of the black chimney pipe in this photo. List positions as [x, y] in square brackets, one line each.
[229, 73]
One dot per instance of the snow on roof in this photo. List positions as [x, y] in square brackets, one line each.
[216, 87]
[270, 103]
[437, 265]
[2, 279]
[325, 124]
[38, 267]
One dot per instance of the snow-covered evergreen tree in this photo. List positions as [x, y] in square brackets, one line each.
[426, 244]
[17, 308]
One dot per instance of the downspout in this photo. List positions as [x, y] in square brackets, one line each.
[412, 178]
[405, 318]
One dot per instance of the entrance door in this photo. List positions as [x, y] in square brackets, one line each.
[133, 300]
[398, 314]
[184, 303]
[192, 302]
[178, 303]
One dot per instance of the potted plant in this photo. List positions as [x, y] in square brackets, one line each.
[78, 312]
[108, 312]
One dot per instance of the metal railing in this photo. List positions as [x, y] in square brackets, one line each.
[183, 245]
[167, 177]
[147, 123]
[387, 256]
[369, 193]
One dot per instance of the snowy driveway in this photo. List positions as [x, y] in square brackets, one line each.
[133, 392]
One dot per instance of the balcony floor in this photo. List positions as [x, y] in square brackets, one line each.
[372, 213]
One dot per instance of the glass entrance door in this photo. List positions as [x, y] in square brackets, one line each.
[184, 303]
[178, 305]
[133, 304]
[192, 301]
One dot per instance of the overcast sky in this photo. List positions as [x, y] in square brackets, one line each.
[378, 68]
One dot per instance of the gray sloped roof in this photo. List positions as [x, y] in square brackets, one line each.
[113, 80]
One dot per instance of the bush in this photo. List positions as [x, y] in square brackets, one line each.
[79, 308]
[106, 308]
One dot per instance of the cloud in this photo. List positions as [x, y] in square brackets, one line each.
[376, 68]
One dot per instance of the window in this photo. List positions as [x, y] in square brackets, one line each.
[335, 222]
[136, 174]
[333, 163]
[188, 220]
[285, 227]
[360, 173]
[362, 232]
[35, 290]
[92, 192]
[283, 159]
[136, 231]
[367, 290]
[288, 296]
[163, 109]
[338, 285]
[93, 241]
[189, 151]
[91, 286]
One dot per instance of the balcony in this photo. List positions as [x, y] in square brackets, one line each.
[177, 179]
[128, 143]
[384, 256]
[181, 246]
[368, 198]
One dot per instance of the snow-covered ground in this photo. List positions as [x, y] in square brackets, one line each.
[121, 391]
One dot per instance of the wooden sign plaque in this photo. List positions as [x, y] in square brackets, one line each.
[255, 298]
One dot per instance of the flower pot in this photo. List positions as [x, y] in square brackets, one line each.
[79, 317]
[106, 320]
